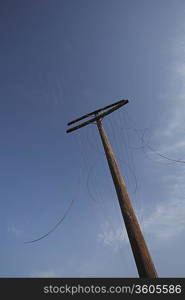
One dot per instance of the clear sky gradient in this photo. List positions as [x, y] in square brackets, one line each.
[59, 60]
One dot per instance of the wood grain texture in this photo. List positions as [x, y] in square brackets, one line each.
[144, 263]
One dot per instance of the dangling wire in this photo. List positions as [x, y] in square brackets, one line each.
[159, 153]
[57, 224]
[146, 145]
[66, 213]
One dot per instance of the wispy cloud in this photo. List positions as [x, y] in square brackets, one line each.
[112, 237]
[46, 273]
[167, 221]
[171, 136]
[15, 231]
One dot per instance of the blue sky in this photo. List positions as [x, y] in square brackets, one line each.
[58, 61]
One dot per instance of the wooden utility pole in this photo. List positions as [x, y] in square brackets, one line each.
[143, 260]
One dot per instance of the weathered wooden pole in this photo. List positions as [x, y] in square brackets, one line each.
[140, 251]
[143, 260]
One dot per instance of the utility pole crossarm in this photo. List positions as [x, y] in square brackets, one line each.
[121, 102]
[115, 105]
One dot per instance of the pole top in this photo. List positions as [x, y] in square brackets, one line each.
[114, 106]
